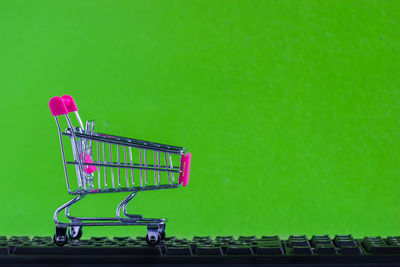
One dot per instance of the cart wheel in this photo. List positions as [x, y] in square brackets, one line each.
[60, 237]
[60, 240]
[153, 240]
[162, 232]
[75, 232]
[162, 235]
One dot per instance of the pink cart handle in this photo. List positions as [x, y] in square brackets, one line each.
[57, 106]
[62, 105]
[185, 169]
[69, 103]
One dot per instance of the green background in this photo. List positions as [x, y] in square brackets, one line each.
[291, 110]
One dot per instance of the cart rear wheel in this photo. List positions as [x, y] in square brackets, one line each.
[153, 240]
[60, 240]
[75, 232]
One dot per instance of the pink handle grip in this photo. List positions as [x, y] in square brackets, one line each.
[185, 169]
[62, 105]
[57, 106]
[69, 103]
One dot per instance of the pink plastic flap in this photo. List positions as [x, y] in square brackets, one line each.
[69, 103]
[186, 172]
[57, 106]
[88, 168]
[182, 169]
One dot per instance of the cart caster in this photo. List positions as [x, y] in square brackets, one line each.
[161, 232]
[75, 232]
[60, 237]
[162, 235]
[153, 240]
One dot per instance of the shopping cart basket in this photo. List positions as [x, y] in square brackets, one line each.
[110, 164]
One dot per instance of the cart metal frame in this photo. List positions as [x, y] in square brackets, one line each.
[101, 164]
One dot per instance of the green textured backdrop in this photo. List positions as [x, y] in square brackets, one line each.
[291, 110]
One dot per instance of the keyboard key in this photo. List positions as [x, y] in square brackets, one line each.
[246, 238]
[181, 241]
[208, 251]
[170, 238]
[325, 249]
[347, 243]
[344, 240]
[242, 243]
[298, 241]
[273, 243]
[393, 240]
[239, 250]
[301, 250]
[99, 239]
[350, 250]
[81, 242]
[224, 238]
[376, 245]
[123, 238]
[42, 238]
[203, 243]
[270, 237]
[202, 238]
[320, 239]
[270, 250]
[178, 250]
[298, 237]
[384, 250]
[343, 237]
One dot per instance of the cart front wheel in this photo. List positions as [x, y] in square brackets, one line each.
[162, 232]
[75, 232]
[60, 237]
[153, 240]
[162, 235]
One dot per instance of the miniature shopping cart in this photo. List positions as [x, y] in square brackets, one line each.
[111, 164]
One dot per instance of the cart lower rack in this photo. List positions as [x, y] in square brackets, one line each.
[104, 163]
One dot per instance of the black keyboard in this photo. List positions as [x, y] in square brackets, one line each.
[204, 250]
